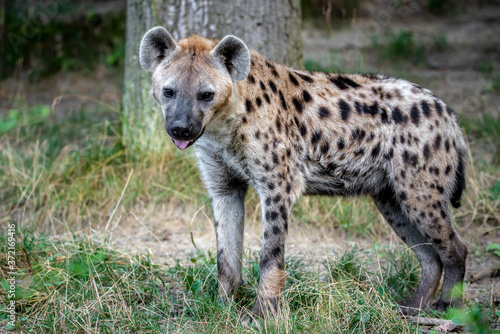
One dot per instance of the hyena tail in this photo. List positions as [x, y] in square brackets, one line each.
[459, 181]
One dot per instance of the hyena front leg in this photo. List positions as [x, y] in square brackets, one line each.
[227, 192]
[276, 208]
[229, 217]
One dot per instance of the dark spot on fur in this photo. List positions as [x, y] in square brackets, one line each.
[440, 189]
[447, 170]
[403, 196]
[437, 241]
[258, 101]
[277, 198]
[299, 106]
[251, 78]
[439, 109]
[305, 77]
[271, 215]
[303, 130]
[284, 214]
[427, 152]
[275, 158]
[344, 110]
[273, 86]
[371, 110]
[358, 134]
[389, 154]
[262, 86]
[288, 187]
[384, 117]
[315, 137]
[341, 143]
[437, 142]
[359, 151]
[343, 82]
[447, 145]
[323, 112]
[410, 159]
[415, 115]
[358, 107]
[307, 97]
[376, 150]
[249, 105]
[266, 97]
[282, 99]
[276, 251]
[449, 111]
[257, 134]
[325, 147]
[398, 117]
[425, 108]
[293, 79]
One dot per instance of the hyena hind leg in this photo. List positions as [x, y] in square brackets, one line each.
[430, 261]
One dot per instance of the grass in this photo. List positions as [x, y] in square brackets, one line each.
[74, 283]
[80, 283]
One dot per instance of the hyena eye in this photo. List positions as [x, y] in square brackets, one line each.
[168, 92]
[207, 96]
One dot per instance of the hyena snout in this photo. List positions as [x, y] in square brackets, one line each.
[183, 130]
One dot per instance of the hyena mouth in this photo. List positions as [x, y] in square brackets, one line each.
[183, 144]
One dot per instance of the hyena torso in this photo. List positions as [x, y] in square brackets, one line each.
[288, 133]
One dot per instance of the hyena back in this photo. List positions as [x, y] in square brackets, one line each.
[286, 133]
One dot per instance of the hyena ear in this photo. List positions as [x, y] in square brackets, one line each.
[156, 45]
[234, 55]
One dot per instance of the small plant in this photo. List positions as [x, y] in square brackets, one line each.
[440, 42]
[494, 248]
[16, 118]
[402, 45]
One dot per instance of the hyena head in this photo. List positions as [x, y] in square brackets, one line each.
[192, 79]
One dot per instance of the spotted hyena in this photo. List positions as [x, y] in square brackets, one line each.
[287, 132]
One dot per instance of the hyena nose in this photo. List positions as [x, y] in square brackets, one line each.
[181, 130]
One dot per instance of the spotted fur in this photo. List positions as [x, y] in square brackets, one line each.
[289, 133]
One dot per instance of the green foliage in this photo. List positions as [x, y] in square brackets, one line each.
[485, 68]
[78, 276]
[44, 44]
[494, 248]
[15, 118]
[440, 42]
[475, 319]
[437, 6]
[484, 127]
[402, 45]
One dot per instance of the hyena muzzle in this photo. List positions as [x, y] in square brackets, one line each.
[286, 133]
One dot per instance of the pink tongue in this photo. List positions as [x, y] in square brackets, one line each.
[182, 144]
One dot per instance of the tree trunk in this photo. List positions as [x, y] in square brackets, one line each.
[271, 27]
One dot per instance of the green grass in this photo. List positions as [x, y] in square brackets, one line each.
[80, 283]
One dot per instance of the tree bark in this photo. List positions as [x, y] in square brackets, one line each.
[272, 27]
